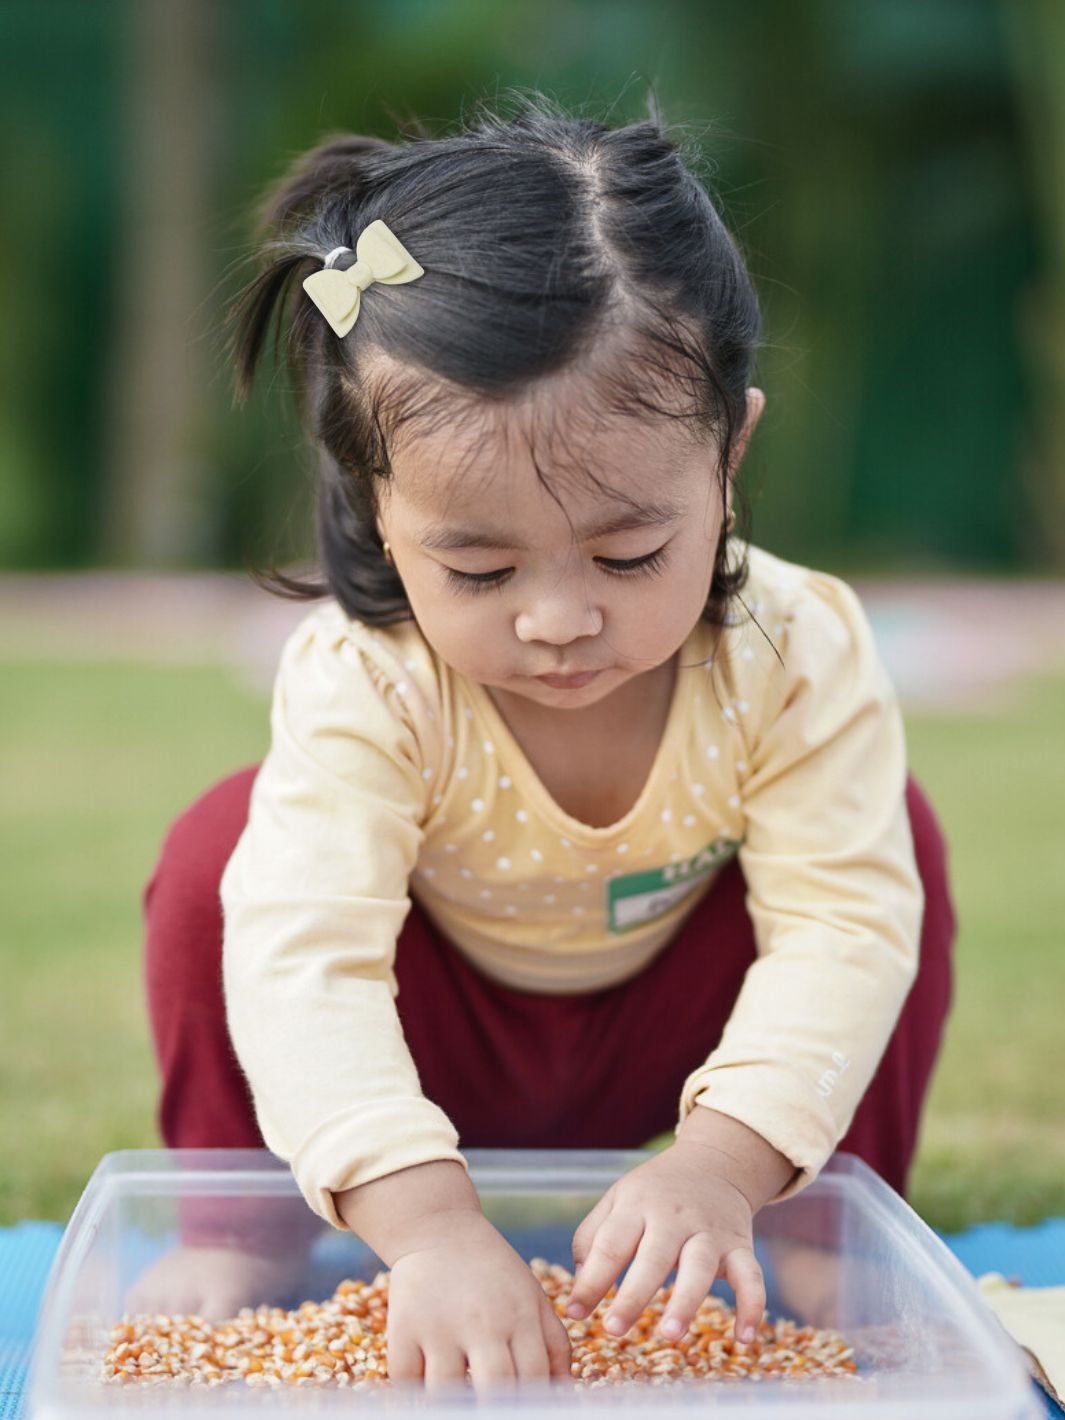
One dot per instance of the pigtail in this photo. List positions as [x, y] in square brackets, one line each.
[249, 317]
[316, 199]
[316, 205]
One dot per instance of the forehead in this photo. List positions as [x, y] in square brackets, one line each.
[499, 465]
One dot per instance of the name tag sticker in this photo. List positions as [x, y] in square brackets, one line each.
[636, 898]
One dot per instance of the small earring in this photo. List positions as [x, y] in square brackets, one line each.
[386, 549]
[730, 521]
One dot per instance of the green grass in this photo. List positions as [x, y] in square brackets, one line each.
[98, 758]
[993, 1144]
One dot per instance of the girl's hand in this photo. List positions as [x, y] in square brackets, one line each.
[464, 1298]
[690, 1207]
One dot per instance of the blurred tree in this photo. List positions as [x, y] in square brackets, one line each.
[58, 178]
[1036, 30]
[883, 165]
[889, 247]
[155, 486]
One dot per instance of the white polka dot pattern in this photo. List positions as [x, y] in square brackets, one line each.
[514, 862]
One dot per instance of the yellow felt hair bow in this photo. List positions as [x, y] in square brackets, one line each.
[380, 256]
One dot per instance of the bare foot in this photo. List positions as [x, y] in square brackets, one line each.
[807, 1282]
[215, 1282]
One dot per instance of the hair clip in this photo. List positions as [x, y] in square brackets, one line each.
[379, 256]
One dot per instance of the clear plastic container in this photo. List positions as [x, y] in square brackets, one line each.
[846, 1253]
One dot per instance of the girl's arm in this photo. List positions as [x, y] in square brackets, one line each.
[314, 898]
[833, 890]
[315, 895]
[836, 901]
[404, 1210]
[738, 1154]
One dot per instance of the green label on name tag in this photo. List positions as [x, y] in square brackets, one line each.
[637, 898]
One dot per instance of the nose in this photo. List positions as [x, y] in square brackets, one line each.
[558, 617]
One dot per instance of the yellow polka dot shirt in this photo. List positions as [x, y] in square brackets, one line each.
[389, 775]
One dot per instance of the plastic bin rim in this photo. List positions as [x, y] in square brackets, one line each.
[561, 1166]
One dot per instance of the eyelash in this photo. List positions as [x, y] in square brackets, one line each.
[650, 565]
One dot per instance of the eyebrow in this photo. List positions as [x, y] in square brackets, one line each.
[444, 539]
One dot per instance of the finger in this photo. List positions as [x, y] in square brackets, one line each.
[744, 1275]
[612, 1249]
[652, 1264]
[405, 1359]
[444, 1367]
[556, 1338]
[696, 1272]
[528, 1352]
[587, 1229]
[491, 1367]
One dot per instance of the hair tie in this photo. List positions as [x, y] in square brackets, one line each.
[379, 256]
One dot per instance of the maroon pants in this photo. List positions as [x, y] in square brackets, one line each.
[602, 1069]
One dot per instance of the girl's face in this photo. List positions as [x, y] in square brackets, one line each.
[509, 594]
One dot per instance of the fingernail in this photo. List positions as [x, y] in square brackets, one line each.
[575, 1310]
[614, 1324]
[747, 1333]
[671, 1327]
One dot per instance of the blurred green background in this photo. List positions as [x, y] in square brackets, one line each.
[894, 172]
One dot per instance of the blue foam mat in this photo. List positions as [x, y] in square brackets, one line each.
[26, 1253]
[1034, 1255]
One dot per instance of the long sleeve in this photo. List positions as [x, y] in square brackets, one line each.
[832, 888]
[314, 897]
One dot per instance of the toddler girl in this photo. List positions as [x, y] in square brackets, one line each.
[582, 818]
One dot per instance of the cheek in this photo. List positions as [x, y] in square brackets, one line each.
[671, 601]
[660, 622]
[460, 628]
[659, 617]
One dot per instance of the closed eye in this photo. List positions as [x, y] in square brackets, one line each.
[648, 565]
[653, 562]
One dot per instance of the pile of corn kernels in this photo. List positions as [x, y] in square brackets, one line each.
[341, 1342]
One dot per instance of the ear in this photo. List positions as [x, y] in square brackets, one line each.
[755, 405]
[380, 495]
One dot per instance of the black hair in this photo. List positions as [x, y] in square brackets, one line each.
[550, 244]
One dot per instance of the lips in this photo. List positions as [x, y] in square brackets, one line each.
[568, 682]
